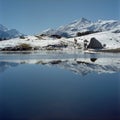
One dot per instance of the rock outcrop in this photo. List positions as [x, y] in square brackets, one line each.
[94, 44]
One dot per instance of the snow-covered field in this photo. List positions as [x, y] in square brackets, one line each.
[112, 40]
[31, 40]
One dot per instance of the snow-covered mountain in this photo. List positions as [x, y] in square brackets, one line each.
[3, 28]
[84, 25]
[108, 38]
[108, 34]
[6, 33]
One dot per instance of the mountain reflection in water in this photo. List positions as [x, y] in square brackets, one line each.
[56, 87]
[81, 66]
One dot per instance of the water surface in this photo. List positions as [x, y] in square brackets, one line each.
[59, 91]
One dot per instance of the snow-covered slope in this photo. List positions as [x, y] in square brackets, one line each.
[6, 33]
[31, 40]
[109, 36]
[83, 25]
[111, 39]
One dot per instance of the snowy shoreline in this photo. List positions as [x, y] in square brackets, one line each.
[33, 43]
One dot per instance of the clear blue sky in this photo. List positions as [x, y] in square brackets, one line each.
[33, 16]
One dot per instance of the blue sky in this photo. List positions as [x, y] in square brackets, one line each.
[34, 16]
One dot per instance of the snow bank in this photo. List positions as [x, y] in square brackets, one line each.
[112, 40]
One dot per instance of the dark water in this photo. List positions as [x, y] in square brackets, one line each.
[43, 92]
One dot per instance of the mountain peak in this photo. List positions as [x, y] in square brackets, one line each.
[84, 20]
[80, 22]
[83, 25]
[3, 28]
[8, 33]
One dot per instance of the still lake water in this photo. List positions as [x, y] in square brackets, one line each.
[50, 92]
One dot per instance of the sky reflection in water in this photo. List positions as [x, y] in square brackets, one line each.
[50, 91]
